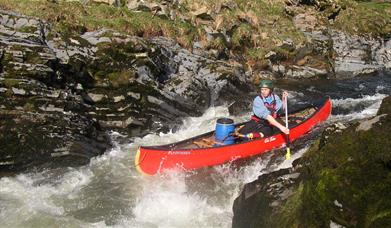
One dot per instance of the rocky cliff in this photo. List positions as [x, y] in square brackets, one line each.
[61, 93]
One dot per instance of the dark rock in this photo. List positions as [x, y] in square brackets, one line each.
[254, 207]
[385, 107]
[44, 121]
[55, 139]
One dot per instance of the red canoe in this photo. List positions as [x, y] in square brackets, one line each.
[202, 151]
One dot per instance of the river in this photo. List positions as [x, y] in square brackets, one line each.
[109, 192]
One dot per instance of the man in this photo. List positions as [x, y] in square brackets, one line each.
[265, 108]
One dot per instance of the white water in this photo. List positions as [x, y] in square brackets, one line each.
[371, 104]
[110, 193]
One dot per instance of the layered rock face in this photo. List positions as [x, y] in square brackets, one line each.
[43, 119]
[357, 55]
[315, 47]
[342, 54]
[60, 94]
[343, 180]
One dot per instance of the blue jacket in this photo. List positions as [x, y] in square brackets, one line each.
[259, 108]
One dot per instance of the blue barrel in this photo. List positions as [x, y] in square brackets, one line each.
[224, 127]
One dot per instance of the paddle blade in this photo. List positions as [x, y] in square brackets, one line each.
[288, 153]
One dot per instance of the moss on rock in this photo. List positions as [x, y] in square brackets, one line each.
[347, 180]
[122, 78]
[385, 107]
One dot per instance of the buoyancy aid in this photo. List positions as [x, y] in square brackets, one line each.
[271, 106]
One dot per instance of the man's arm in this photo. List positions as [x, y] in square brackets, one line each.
[274, 122]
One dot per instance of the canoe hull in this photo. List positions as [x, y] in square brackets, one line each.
[153, 160]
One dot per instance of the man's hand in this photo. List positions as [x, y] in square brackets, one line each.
[284, 95]
[285, 130]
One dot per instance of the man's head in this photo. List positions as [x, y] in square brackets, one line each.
[266, 87]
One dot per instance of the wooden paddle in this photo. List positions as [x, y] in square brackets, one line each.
[288, 149]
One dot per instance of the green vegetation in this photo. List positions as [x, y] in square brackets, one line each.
[9, 83]
[122, 78]
[365, 18]
[115, 62]
[29, 107]
[70, 18]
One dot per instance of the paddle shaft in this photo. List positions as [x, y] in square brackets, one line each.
[286, 115]
[288, 149]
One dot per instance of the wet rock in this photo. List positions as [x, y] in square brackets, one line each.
[33, 139]
[203, 81]
[305, 72]
[367, 124]
[255, 205]
[383, 54]
[43, 121]
[330, 130]
[341, 54]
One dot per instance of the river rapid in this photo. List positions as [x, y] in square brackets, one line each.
[109, 192]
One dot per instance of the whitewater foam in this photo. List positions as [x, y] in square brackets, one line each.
[363, 107]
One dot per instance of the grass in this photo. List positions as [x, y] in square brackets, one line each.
[366, 18]
[69, 18]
